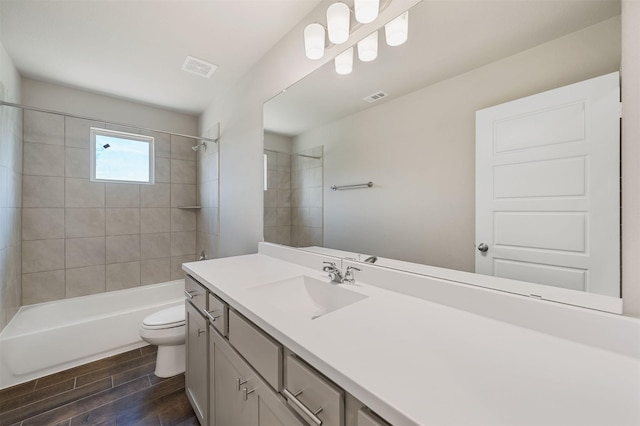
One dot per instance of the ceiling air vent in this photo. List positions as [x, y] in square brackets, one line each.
[198, 67]
[375, 97]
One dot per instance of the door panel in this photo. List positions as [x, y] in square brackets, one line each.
[548, 187]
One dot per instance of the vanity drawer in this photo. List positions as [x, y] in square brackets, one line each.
[196, 293]
[311, 394]
[217, 313]
[259, 349]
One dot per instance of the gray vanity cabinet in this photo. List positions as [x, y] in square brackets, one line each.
[241, 397]
[196, 374]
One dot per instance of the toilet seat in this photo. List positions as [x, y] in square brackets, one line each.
[166, 318]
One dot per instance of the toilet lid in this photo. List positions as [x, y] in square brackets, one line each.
[166, 318]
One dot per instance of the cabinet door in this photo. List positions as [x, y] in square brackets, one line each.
[272, 411]
[196, 374]
[230, 406]
[240, 396]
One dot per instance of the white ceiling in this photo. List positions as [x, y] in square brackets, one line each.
[446, 38]
[134, 49]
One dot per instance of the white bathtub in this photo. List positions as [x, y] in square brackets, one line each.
[49, 337]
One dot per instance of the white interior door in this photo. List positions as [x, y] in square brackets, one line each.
[548, 188]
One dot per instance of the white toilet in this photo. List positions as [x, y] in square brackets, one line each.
[166, 329]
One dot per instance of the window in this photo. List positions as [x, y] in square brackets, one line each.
[121, 157]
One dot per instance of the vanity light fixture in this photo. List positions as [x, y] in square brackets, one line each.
[338, 22]
[344, 62]
[368, 47]
[314, 41]
[366, 11]
[338, 28]
[397, 31]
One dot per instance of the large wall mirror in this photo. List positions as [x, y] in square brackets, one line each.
[417, 143]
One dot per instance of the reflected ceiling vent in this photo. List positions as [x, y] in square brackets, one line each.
[198, 67]
[375, 97]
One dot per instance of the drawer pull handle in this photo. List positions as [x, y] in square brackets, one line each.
[311, 414]
[200, 331]
[240, 382]
[191, 293]
[211, 315]
[246, 392]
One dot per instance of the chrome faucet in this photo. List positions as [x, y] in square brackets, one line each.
[349, 275]
[334, 273]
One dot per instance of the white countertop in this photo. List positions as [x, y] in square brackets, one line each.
[418, 362]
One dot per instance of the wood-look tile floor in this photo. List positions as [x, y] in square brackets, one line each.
[119, 390]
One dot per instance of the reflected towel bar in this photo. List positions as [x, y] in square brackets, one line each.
[356, 186]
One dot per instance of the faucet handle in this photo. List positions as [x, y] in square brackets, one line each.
[349, 275]
[331, 266]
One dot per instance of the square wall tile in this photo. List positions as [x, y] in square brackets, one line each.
[43, 287]
[176, 265]
[153, 271]
[43, 160]
[123, 275]
[123, 221]
[84, 222]
[76, 163]
[154, 220]
[77, 132]
[85, 281]
[42, 255]
[83, 193]
[42, 127]
[156, 195]
[161, 142]
[163, 170]
[183, 195]
[183, 243]
[42, 223]
[154, 246]
[80, 252]
[42, 191]
[122, 195]
[123, 248]
[181, 148]
[183, 171]
[183, 220]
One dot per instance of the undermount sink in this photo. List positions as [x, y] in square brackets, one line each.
[306, 296]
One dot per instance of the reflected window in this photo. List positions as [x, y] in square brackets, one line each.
[121, 157]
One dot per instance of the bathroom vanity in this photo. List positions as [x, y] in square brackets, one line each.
[271, 341]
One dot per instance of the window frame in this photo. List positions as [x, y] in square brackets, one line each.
[150, 140]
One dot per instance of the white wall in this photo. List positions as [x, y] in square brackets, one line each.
[419, 150]
[277, 142]
[105, 108]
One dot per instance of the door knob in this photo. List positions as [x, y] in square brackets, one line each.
[483, 247]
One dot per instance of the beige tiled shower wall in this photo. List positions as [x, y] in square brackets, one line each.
[207, 217]
[307, 198]
[10, 203]
[81, 237]
[293, 199]
[277, 198]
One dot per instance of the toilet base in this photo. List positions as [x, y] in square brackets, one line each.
[170, 361]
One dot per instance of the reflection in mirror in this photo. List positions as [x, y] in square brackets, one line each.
[293, 194]
[417, 144]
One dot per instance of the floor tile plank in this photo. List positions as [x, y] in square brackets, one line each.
[54, 402]
[89, 403]
[115, 391]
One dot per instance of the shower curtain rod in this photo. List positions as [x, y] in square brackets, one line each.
[48, 111]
